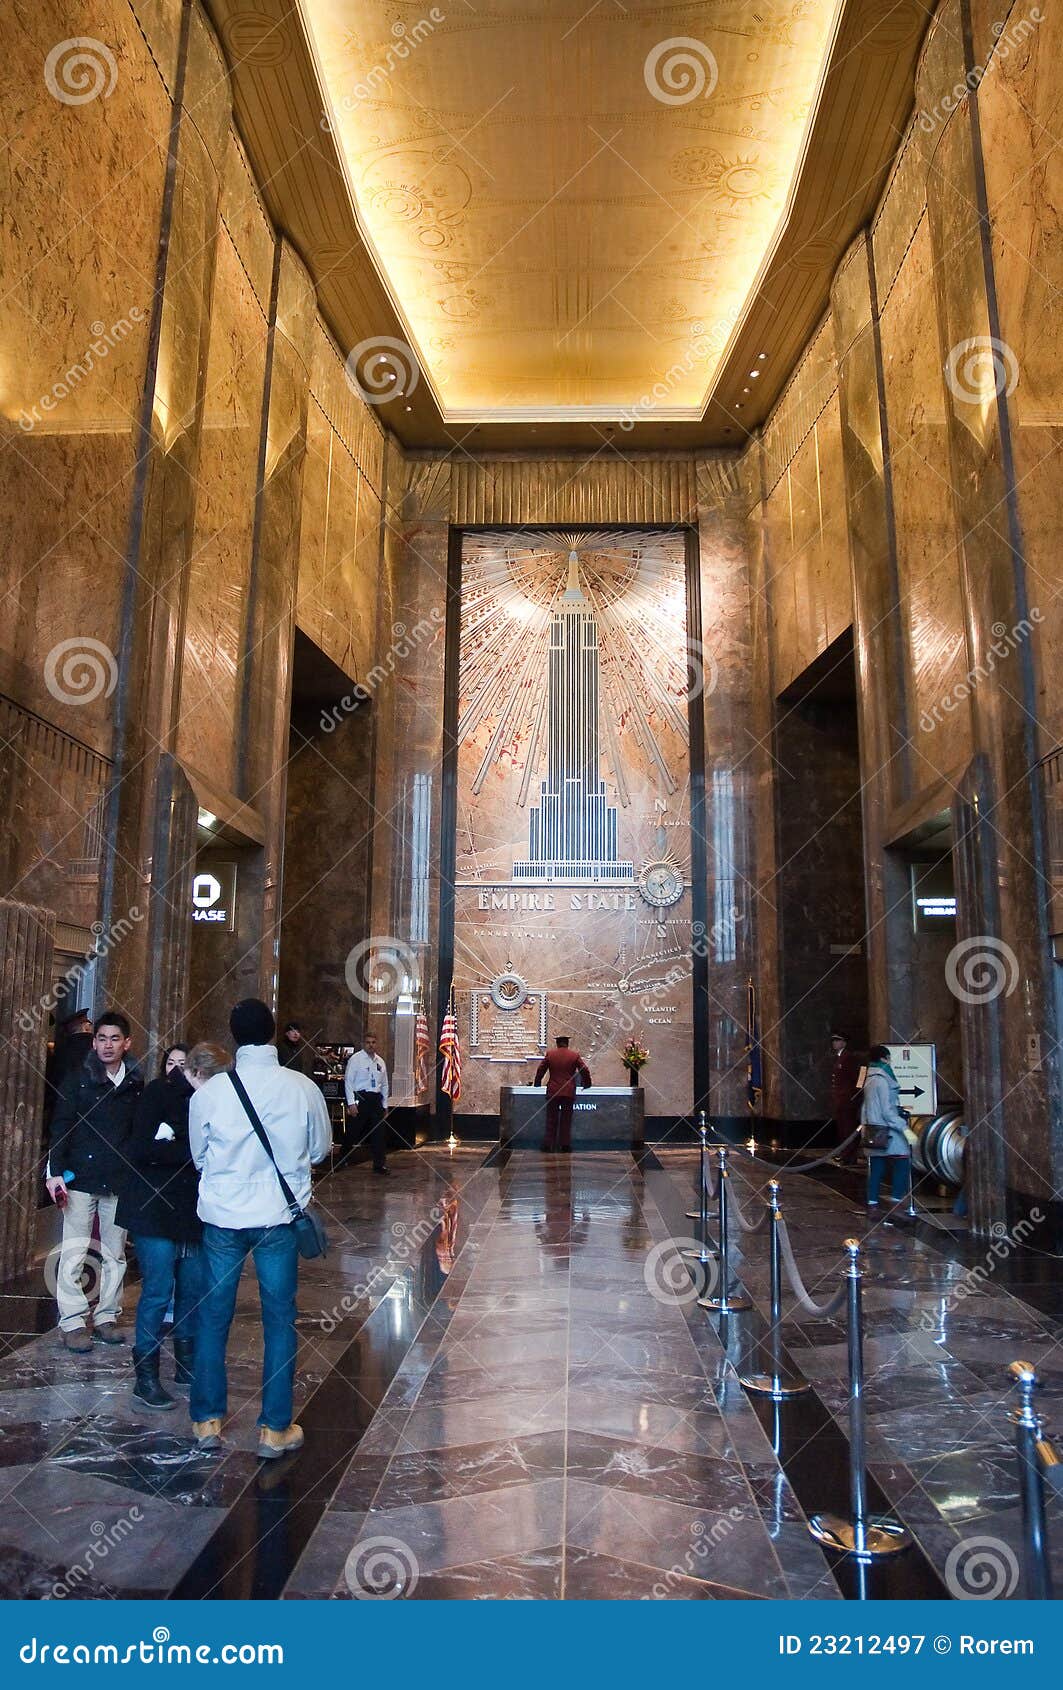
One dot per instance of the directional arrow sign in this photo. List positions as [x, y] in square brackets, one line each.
[916, 1069]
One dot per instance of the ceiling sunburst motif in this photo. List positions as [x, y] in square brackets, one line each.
[570, 207]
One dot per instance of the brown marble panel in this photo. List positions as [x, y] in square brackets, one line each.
[1020, 102]
[927, 542]
[244, 216]
[833, 588]
[339, 557]
[73, 338]
[225, 514]
[317, 476]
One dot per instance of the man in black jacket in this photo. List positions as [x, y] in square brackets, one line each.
[91, 1122]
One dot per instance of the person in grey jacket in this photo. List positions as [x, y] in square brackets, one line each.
[885, 1130]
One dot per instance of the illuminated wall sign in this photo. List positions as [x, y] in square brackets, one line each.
[214, 896]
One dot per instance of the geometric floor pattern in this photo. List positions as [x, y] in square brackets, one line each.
[508, 1391]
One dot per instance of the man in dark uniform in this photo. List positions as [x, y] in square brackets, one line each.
[844, 1099]
[561, 1066]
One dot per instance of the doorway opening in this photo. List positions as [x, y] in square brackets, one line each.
[819, 889]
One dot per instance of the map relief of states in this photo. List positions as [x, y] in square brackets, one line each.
[573, 841]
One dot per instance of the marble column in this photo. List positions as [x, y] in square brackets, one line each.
[147, 838]
[26, 935]
[767, 971]
[878, 639]
[269, 630]
[1016, 1087]
[729, 773]
[408, 712]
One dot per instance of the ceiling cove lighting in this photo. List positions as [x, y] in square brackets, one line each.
[492, 201]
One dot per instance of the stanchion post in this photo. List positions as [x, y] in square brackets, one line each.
[1036, 1566]
[773, 1384]
[704, 1253]
[724, 1303]
[863, 1537]
[701, 1213]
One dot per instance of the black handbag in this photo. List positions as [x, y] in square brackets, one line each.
[311, 1239]
[875, 1138]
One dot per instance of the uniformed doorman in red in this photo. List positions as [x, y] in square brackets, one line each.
[561, 1066]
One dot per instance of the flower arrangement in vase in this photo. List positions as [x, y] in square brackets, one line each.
[634, 1056]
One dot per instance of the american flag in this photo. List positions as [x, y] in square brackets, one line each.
[450, 1051]
[422, 1044]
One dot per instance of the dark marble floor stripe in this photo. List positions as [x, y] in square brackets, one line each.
[807, 1440]
[254, 1550]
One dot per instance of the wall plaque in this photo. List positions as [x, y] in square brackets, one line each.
[507, 1035]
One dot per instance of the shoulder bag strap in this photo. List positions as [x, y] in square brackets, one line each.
[263, 1139]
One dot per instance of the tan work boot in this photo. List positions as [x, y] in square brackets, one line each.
[78, 1340]
[272, 1445]
[207, 1434]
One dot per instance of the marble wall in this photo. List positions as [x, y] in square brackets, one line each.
[902, 485]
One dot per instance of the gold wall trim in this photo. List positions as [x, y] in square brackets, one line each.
[558, 490]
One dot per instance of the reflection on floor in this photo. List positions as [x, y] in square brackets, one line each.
[508, 1392]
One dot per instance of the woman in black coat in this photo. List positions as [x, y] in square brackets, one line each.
[158, 1206]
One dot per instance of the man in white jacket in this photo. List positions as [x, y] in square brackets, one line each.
[244, 1213]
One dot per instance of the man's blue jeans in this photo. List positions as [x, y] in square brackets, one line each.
[165, 1274]
[225, 1250]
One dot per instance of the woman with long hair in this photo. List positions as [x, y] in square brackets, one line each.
[158, 1206]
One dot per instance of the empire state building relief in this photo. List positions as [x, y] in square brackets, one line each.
[573, 828]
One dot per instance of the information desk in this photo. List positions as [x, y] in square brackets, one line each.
[603, 1117]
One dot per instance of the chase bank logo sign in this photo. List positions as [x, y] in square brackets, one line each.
[212, 901]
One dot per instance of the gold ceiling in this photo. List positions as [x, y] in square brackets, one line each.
[570, 203]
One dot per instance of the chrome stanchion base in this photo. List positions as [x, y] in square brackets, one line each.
[707, 1253]
[773, 1386]
[881, 1537]
[725, 1304]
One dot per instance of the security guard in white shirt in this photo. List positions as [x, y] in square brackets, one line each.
[365, 1085]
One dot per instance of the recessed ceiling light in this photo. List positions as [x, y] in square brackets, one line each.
[762, 356]
[409, 407]
[753, 374]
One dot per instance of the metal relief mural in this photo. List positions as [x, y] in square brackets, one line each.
[573, 848]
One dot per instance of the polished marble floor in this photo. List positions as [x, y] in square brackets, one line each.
[509, 1391]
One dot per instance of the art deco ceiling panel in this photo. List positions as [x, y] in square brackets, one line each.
[569, 205]
[552, 250]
